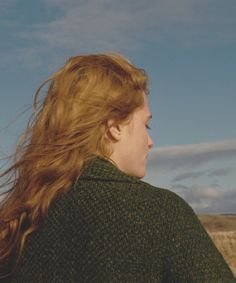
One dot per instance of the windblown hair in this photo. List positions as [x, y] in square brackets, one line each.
[68, 128]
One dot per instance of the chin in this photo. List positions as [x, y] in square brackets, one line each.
[136, 172]
[140, 175]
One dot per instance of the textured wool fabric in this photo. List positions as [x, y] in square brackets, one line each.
[111, 227]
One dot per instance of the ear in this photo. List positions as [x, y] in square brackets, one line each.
[114, 130]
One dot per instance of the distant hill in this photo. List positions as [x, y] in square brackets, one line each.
[222, 230]
[220, 222]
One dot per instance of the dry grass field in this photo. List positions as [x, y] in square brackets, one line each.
[222, 230]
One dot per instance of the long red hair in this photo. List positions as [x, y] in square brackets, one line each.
[67, 129]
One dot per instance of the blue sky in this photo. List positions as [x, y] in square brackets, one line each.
[186, 46]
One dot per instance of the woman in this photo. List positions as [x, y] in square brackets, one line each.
[77, 210]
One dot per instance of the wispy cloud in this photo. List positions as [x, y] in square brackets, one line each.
[191, 156]
[188, 175]
[222, 172]
[193, 175]
[188, 170]
[112, 24]
[6, 5]
[208, 199]
[92, 26]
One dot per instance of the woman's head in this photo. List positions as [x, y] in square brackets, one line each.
[132, 142]
[83, 95]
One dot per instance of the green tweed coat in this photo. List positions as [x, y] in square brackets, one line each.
[111, 227]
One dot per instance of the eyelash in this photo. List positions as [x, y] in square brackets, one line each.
[148, 127]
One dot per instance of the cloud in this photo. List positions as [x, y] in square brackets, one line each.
[192, 175]
[112, 24]
[221, 172]
[171, 158]
[176, 167]
[208, 199]
[182, 19]
[125, 26]
[188, 175]
[6, 5]
[91, 25]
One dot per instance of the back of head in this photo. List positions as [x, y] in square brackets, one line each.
[68, 128]
[83, 95]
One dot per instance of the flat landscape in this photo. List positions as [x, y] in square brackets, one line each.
[222, 230]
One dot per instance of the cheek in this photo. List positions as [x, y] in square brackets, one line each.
[146, 135]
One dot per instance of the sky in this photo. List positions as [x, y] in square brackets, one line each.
[187, 47]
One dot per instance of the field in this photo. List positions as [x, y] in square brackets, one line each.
[222, 230]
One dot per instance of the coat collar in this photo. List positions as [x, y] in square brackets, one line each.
[99, 168]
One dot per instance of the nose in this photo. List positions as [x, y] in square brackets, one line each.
[150, 142]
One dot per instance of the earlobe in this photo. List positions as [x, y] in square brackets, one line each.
[114, 130]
